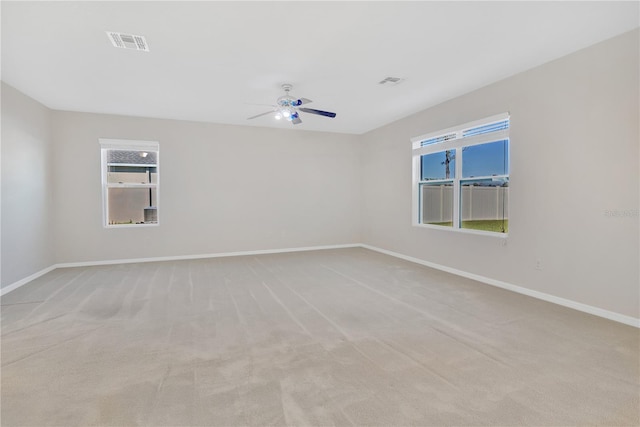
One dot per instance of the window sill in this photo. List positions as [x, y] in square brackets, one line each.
[131, 225]
[463, 230]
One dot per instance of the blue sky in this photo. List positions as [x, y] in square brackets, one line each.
[479, 160]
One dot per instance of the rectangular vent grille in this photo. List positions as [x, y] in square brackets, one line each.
[128, 41]
[391, 81]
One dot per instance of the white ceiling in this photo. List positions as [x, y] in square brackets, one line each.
[210, 60]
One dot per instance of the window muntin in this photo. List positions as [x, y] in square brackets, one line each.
[474, 194]
[130, 182]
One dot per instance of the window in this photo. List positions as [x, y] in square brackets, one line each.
[461, 177]
[130, 182]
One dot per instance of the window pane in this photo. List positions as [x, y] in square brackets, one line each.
[438, 140]
[132, 175]
[129, 157]
[132, 206]
[486, 159]
[438, 165]
[437, 203]
[492, 127]
[484, 204]
[132, 167]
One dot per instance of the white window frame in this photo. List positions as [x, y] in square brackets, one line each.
[127, 145]
[455, 141]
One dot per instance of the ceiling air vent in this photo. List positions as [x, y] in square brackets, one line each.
[128, 41]
[391, 81]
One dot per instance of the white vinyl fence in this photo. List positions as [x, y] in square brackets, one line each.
[478, 203]
[129, 204]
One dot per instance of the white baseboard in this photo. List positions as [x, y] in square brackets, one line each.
[617, 317]
[26, 280]
[203, 256]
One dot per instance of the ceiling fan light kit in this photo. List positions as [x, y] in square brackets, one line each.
[287, 107]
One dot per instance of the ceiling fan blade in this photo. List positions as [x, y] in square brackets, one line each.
[296, 121]
[259, 115]
[318, 112]
[303, 101]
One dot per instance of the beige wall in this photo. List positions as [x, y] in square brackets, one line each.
[574, 158]
[26, 212]
[574, 181]
[222, 188]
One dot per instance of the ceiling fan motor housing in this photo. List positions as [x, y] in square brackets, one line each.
[287, 107]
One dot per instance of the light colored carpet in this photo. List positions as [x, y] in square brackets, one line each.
[336, 337]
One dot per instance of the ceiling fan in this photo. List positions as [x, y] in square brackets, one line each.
[287, 107]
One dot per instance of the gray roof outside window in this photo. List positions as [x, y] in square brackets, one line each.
[132, 157]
